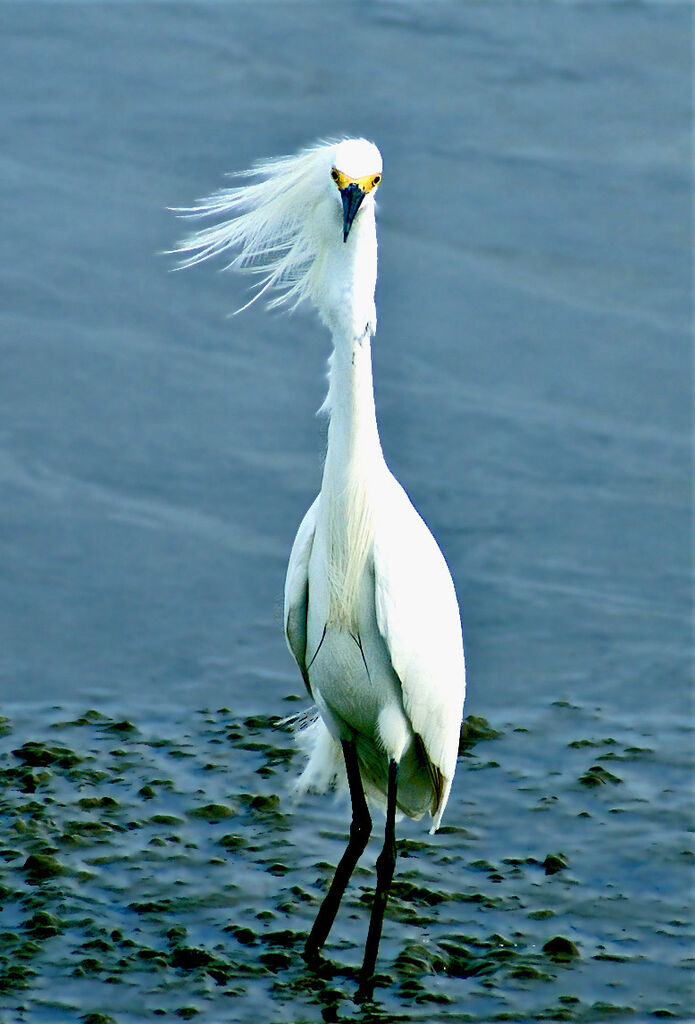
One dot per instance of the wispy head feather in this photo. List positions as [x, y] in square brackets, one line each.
[271, 222]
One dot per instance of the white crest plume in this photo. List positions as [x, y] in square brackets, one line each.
[270, 221]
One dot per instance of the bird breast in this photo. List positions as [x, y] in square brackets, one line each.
[347, 541]
[351, 675]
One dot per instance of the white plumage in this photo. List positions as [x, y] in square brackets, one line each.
[371, 615]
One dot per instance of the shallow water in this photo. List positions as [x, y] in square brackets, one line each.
[153, 870]
[531, 364]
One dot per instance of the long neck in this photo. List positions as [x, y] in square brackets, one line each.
[346, 305]
[354, 461]
[354, 450]
[354, 464]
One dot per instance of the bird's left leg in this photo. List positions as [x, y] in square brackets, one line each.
[385, 867]
[360, 830]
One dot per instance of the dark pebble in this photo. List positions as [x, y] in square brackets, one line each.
[189, 957]
[39, 866]
[43, 925]
[555, 862]
[212, 812]
[561, 948]
[474, 729]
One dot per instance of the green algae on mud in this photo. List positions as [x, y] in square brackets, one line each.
[124, 887]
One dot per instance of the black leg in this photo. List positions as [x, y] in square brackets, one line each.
[360, 830]
[385, 866]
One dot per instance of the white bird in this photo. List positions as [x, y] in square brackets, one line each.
[371, 614]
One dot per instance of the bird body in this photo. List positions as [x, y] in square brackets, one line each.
[372, 619]
[371, 614]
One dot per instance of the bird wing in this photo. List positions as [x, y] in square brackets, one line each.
[418, 617]
[297, 591]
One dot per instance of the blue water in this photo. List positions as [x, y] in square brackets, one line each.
[532, 370]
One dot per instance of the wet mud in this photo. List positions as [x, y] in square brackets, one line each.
[159, 869]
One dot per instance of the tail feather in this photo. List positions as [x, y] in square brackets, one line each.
[325, 766]
[324, 769]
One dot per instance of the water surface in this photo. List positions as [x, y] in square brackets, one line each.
[531, 367]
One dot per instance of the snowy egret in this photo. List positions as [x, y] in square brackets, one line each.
[371, 614]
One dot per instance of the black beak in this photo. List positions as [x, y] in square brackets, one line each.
[352, 196]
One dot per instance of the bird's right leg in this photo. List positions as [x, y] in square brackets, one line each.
[385, 866]
[360, 830]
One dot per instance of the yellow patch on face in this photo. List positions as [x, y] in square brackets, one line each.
[369, 182]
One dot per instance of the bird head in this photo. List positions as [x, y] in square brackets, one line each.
[356, 172]
[287, 220]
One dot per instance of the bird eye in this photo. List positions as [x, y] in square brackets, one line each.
[375, 180]
[334, 174]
